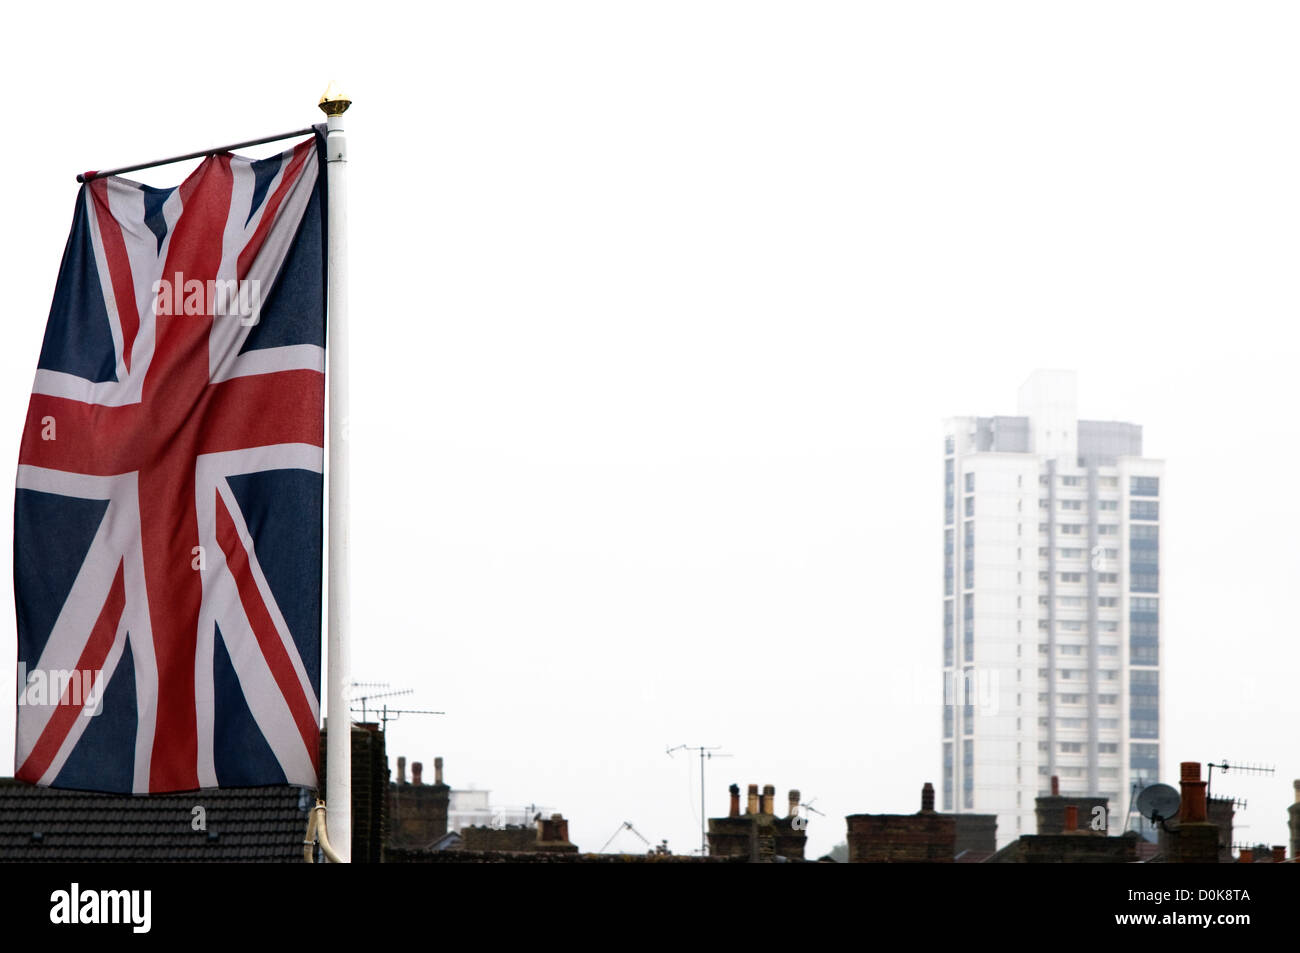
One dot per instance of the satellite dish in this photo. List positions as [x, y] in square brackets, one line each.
[1158, 802]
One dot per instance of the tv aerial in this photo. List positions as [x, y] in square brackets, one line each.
[1225, 766]
[661, 848]
[1158, 803]
[369, 694]
[707, 753]
[808, 805]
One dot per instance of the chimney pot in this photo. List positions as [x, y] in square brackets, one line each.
[1279, 854]
[794, 802]
[401, 769]
[1056, 786]
[1193, 808]
[734, 791]
[751, 806]
[1296, 784]
[1071, 818]
[437, 770]
[927, 798]
[417, 771]
[767, 803]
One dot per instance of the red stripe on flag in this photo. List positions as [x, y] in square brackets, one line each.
[119, 268]
[265, 409]
[66, 434]
[292, 170]
[92, 659]
[268, 637]
[174, 390]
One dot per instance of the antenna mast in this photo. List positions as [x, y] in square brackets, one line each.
[706, 752]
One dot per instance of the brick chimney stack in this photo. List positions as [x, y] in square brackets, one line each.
[556, 829]
[1049, 809]
[1293, 823]
[927, 798]
[758, 835]
[1247, 856]
[437, 770]
[417, 812]
[1279, 854]
[1197, 840]
[1193, 809]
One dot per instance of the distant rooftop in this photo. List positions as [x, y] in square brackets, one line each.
[1048, 424]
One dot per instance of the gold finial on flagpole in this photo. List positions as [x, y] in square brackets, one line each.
[334, 103]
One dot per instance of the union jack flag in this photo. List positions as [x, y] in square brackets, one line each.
[167, 519]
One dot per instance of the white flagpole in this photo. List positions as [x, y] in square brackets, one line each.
[338, 779]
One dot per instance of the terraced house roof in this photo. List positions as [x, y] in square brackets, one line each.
[45, 825]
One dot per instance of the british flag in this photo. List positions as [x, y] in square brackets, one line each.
[167, 519]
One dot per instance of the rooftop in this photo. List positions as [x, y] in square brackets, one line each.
[235, 825]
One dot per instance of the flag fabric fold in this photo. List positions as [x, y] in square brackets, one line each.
[168, 511]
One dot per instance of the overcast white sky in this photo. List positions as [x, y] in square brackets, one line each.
[657, 310]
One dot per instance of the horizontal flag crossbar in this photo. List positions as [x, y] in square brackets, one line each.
[90, 176]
